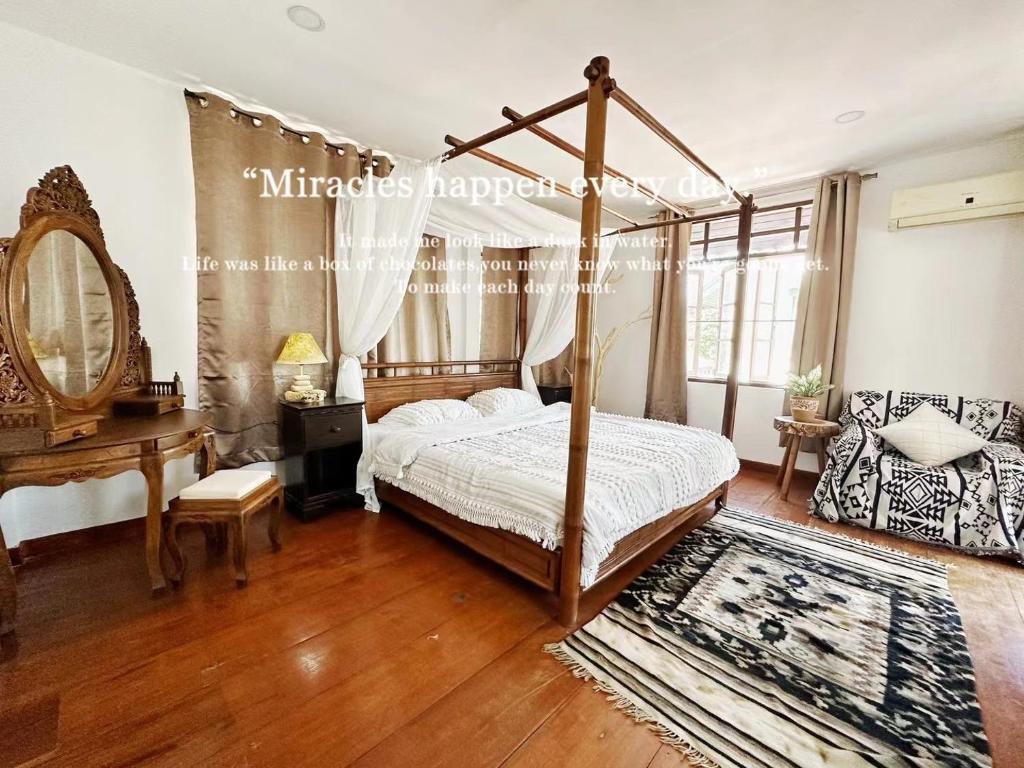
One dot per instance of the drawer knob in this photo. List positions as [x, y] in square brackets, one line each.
[78, 433]
[336, 429]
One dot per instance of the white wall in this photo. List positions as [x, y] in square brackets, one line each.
[939, 308]
[624, 385]
[935, 309]
[126, 135]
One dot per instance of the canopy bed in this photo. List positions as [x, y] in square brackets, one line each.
[557, 568]
[77, 396]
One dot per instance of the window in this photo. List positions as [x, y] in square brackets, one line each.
[775, 268]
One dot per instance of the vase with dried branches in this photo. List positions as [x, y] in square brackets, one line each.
[603, 346]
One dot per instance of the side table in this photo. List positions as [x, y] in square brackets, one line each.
[794, 433]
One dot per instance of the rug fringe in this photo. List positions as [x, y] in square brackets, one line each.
[623, 704]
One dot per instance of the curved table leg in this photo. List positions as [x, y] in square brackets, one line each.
[8, 591]
[240, 549]
[216, 534]
[153, 470]
[208, 455]
[276, 513]
[177, 558]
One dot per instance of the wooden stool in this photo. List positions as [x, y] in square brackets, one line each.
[794, 433]
[228, 499]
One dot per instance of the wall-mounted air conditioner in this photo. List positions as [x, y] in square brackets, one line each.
[980, 198]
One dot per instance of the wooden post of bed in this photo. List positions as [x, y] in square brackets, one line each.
[522, 276]
[732, 384]
[601, 85]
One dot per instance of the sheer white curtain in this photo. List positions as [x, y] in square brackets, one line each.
[518, 223]
[376, 241]
[464, 283]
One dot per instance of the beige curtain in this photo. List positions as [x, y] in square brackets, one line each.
[499, 307]
[246, 306]
[555, 372]
[822, 319]
[666, 373]
[419, 332]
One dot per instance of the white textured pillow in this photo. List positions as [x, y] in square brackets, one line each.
[930, 437]
[503, 401]
[427, 412]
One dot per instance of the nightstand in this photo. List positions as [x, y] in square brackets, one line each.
[322, 443]
[549, 395]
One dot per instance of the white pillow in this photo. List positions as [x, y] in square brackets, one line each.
[930, 437]
[503, 401]
[427, 412]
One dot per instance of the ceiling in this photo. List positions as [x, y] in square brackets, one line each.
[752, 87]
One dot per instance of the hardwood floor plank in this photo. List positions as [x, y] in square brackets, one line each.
[157, 625]
[96, 705]
[349, 719]
[588, 732]
[668, 757]
[489, 716]
[252, 696]
[373, 642]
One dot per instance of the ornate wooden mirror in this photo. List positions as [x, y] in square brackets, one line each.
[71, 348]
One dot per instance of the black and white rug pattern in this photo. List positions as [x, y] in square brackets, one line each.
[756, 642]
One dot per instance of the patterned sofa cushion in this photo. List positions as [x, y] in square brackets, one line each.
[990, 419]
[974, 504]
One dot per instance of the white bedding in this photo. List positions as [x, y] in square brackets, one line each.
[509, 473]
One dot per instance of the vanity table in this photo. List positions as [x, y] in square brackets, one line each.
[99, 413]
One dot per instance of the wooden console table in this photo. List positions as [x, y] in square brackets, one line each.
[121, 444]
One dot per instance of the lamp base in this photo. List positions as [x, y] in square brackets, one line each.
[310, 396]
[301, 383]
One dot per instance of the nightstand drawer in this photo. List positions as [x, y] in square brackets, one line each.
[330, 429]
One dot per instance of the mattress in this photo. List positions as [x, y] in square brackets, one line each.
[510, 472]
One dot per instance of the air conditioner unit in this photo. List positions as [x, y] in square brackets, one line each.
[980, 198]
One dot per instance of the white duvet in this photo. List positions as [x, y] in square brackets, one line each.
[509, 473]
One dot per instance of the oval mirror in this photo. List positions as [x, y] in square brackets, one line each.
[69, 314]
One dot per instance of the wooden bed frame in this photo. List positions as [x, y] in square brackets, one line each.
[559, 570]
[518, 554]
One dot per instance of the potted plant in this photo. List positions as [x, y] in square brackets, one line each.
[804, 392]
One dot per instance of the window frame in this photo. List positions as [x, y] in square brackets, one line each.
[706, 241]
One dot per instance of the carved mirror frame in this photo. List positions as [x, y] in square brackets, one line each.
[60, 202]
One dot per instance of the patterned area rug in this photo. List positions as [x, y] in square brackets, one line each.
[756, 642]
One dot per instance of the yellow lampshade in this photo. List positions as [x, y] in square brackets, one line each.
[301, 349]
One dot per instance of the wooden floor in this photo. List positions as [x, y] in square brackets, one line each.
[368, 641]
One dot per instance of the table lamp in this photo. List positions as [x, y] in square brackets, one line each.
[301, 349]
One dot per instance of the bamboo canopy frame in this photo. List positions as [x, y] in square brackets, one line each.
[601, 87]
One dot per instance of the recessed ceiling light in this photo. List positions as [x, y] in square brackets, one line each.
[307, 18]
[850, 117]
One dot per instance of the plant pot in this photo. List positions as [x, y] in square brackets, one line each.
[803, 408]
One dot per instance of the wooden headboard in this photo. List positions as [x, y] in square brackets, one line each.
[386, 392]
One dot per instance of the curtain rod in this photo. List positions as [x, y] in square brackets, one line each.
[305, 135]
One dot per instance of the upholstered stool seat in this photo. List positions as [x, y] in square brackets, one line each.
[227, 498]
